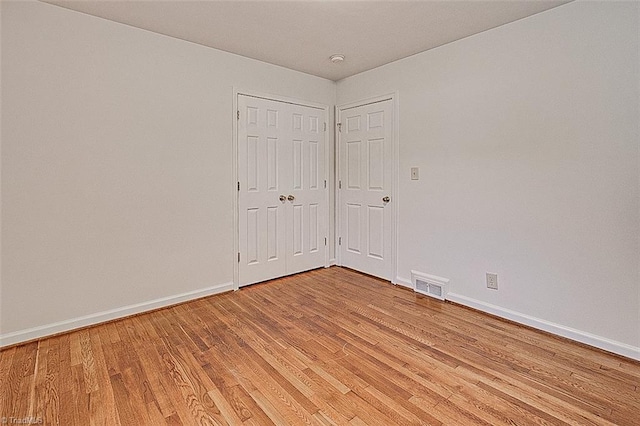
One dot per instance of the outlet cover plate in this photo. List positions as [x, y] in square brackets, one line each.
[492, 281]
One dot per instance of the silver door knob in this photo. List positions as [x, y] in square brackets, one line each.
[282, 198]
[291, 198]
[386, 199]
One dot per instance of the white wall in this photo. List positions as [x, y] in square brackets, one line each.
[117, 183]
[527, 141]
[117, 178]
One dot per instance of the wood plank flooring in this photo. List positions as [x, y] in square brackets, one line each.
[326, 347]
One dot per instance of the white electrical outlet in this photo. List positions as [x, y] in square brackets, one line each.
[415, 173]
[492, 281]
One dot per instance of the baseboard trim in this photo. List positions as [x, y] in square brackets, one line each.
[404, 282]
[557, 329]
[30, 334]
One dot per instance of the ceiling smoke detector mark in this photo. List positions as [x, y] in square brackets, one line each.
[337, 59]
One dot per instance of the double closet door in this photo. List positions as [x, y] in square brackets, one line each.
[282, 198]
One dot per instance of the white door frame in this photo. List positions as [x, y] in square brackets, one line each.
[234, 163]
[393, 97]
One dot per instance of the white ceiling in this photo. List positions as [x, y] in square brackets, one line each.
[302, 35]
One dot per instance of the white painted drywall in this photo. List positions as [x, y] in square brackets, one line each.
[116, 164]
[117, 182]
[527, 141]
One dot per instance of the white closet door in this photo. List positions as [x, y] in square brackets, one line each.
[366, 168]
[262, 218]
[306, 239]
[282, 208]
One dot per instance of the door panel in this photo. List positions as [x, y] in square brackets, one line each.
[313, 164]
[272, 232]
[314, 223]
[376, 232]
[272, 164]
[280, 153]
[297, 229]
[353, 164]
[366, 167]
[252, 163]
[376, 164]
[353, 228]
[252, 235]
[297, 164]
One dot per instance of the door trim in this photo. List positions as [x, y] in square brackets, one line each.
[393, 97]
[234, 167]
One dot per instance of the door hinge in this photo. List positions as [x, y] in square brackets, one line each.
[238, 185]
[339, 184]
[339, 241]
[238, 114]
[325, 241]
[325, 184]
[339, 127]
[238, 257]
[325, 126]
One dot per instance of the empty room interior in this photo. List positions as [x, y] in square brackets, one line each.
[320, 212]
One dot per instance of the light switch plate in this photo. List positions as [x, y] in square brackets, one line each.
[415, 173]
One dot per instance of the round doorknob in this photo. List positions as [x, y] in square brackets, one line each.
[282, 198]
[386, 199]
[291, 198]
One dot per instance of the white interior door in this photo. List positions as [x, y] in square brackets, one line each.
[365, 185]
[307, 197]
[261, 179]
[282, 204]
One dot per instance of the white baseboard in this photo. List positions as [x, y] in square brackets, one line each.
[404, 282]
[557, 329]
[112, 314]
[540, 324]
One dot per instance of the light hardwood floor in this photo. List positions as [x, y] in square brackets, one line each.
[329, 346]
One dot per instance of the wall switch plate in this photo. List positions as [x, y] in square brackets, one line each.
[415, 173]
[492, 281]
